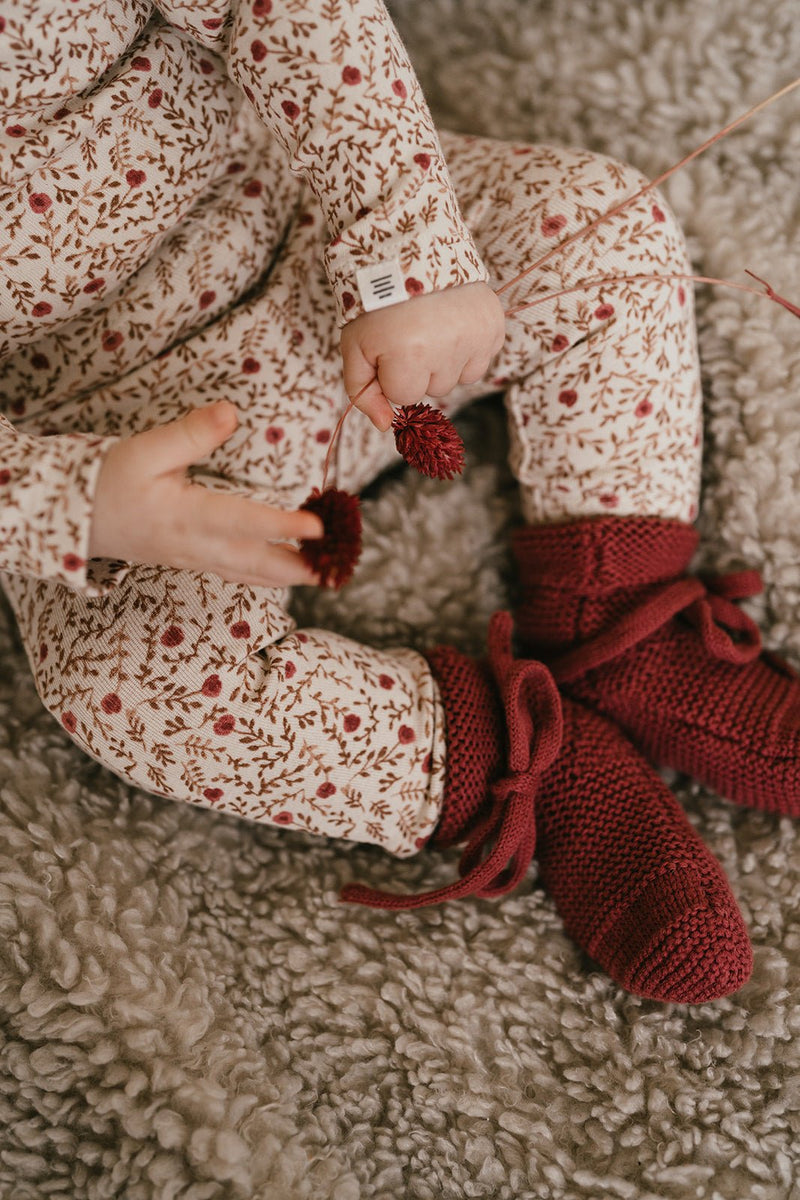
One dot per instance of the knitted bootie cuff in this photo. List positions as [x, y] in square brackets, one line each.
[475, 735]
[596, 555]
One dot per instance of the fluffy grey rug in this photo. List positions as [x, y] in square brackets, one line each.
[185, 1010]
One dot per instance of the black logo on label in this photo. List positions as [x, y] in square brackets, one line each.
[382, 286]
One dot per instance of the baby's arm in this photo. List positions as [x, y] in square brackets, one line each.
[334, 84]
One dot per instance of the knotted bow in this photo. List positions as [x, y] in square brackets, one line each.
[707, 604]
[534, 726]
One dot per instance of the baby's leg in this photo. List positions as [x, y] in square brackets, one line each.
[203, 691]
[603, 383]
[606, 445]
[604, 405]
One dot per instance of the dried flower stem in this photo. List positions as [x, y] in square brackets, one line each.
[773, 295]
[612, 212]
[338, 429]
[666, 277]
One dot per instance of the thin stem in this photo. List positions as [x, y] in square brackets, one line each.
[338, 429]
[773, 295]
[587, 283]
[612, 212]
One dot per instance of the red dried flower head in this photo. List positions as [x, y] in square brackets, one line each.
[428, 441]
[333, 557]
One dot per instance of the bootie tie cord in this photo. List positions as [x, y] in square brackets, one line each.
[532, 708]
[707, 603]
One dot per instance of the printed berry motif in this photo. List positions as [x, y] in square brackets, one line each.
[553, 225]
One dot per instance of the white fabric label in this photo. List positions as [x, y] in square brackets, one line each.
[381, 284]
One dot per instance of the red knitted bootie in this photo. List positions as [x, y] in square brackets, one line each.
[672, 660]
[633, 882]
[507, 712]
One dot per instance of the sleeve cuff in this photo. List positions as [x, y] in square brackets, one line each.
[407, 267]
[47, 515]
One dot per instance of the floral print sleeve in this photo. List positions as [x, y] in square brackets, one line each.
[46, 492]
[333, 82]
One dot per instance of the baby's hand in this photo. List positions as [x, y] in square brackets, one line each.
[421, 347]
[148, 510]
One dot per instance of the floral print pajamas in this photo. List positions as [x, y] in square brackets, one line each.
[196, 198]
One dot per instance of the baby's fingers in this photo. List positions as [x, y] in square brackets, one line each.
[373, 404]
[404, 378]
[360, 380]
[186, 440]
[235, 516]
[475, 369]
[260, 564]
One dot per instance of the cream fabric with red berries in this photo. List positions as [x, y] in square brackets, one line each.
[107, 153]
[160, 251]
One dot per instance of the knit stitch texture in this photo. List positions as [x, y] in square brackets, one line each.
[635, 885]
[734, 725]
[475, 741]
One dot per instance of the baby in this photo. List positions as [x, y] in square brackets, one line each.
[223, 219]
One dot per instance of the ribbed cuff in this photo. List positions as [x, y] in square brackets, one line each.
[475, 737]
[597, 555]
